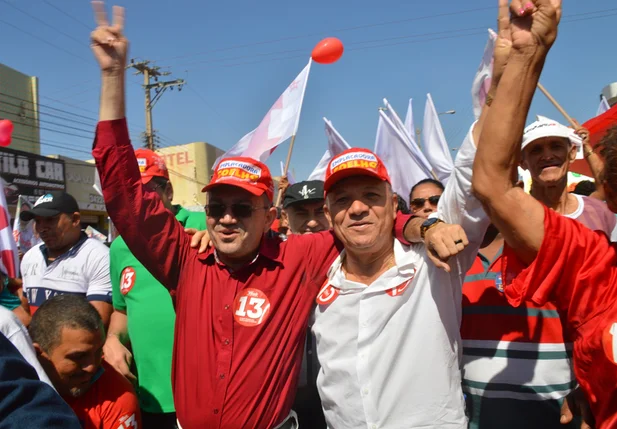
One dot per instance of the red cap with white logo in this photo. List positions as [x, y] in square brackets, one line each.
[355, 162]
[150, 165]
[246, 173]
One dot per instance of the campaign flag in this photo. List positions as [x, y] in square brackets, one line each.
[411, 129]
[482, 81]
[279, 124]
[9, 259]
[394, 149]
[435, 144]
[420, 160]
[603, 107]
[237, 150]
[336, 145]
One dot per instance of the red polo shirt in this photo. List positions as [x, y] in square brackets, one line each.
[576, 268]
[239, 335]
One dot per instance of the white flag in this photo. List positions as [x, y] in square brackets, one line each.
[417, 154]
[336, 145]
[279, 124]
[290, 178]
[435, 144]
[411, 129]
[482, 81]
[395, 151]
[603, 107]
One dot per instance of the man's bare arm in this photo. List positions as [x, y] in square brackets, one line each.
[518, 216]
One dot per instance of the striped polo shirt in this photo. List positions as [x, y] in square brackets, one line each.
[516, 367]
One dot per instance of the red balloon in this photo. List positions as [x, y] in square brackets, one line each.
[6, 129]
[328, 51]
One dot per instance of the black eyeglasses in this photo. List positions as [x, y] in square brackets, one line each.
[237, 210]
[419, 202]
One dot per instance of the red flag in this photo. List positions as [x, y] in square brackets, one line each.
[597, 127]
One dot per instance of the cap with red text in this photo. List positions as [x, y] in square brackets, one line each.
[355, 162]
[246, 173]
[150, 165]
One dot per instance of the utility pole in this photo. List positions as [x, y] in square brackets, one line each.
[153, 72]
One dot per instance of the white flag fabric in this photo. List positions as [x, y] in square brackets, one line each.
[417, 154]
[395, 151]
[290, 178]
[336, 145]
[603, 107]
[9, 259]
[435, 144]
[238, 149]
[409, 125]
[482, 81]
[279, 124]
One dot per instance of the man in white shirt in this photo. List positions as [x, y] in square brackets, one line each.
[67, 262]
[387, 321]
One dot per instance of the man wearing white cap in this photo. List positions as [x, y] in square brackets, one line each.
[387, 321]
[548, 149]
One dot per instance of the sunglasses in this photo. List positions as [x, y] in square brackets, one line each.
[419, 202]
[237, 210]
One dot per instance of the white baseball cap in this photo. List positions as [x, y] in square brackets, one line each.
[545, 127]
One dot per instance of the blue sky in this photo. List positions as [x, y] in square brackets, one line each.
[238, 56]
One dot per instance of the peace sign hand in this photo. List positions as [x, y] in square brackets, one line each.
[108, 44]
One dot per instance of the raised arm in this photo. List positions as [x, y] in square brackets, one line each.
[150, 231]
[518, 216]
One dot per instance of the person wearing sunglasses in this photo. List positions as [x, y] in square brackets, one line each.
[144, 314]
[424, 197]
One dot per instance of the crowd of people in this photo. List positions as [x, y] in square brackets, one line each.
[478, 305]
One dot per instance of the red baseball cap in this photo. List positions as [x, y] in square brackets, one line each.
[150, 165]
[355, 162]
[246, 173]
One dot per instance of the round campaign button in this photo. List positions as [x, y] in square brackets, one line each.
[251, 307]
[327, 295]
[127, 280]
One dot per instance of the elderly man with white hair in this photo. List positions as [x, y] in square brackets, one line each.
[548, 149]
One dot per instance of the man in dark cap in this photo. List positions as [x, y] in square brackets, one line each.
[303, 207]
[67, 261]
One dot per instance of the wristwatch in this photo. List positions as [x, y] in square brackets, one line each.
[428, 224]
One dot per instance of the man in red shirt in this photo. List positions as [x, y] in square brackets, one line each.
[68, 336]
[549, 257]
[243, 305]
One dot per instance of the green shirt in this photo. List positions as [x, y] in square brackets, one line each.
[151, 319]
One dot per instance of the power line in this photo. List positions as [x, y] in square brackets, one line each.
[40, 21]
[40, 39]
[48, 3]
[473, 31]
[340, 30]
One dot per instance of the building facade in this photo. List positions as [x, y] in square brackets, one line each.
[20, 104]
[190, 169]
[80, 184]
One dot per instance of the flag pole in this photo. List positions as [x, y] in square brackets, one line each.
[291, 147]
[557, 105]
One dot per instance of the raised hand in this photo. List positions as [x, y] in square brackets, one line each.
[108, 43]
[534, 23]
[503, 44]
